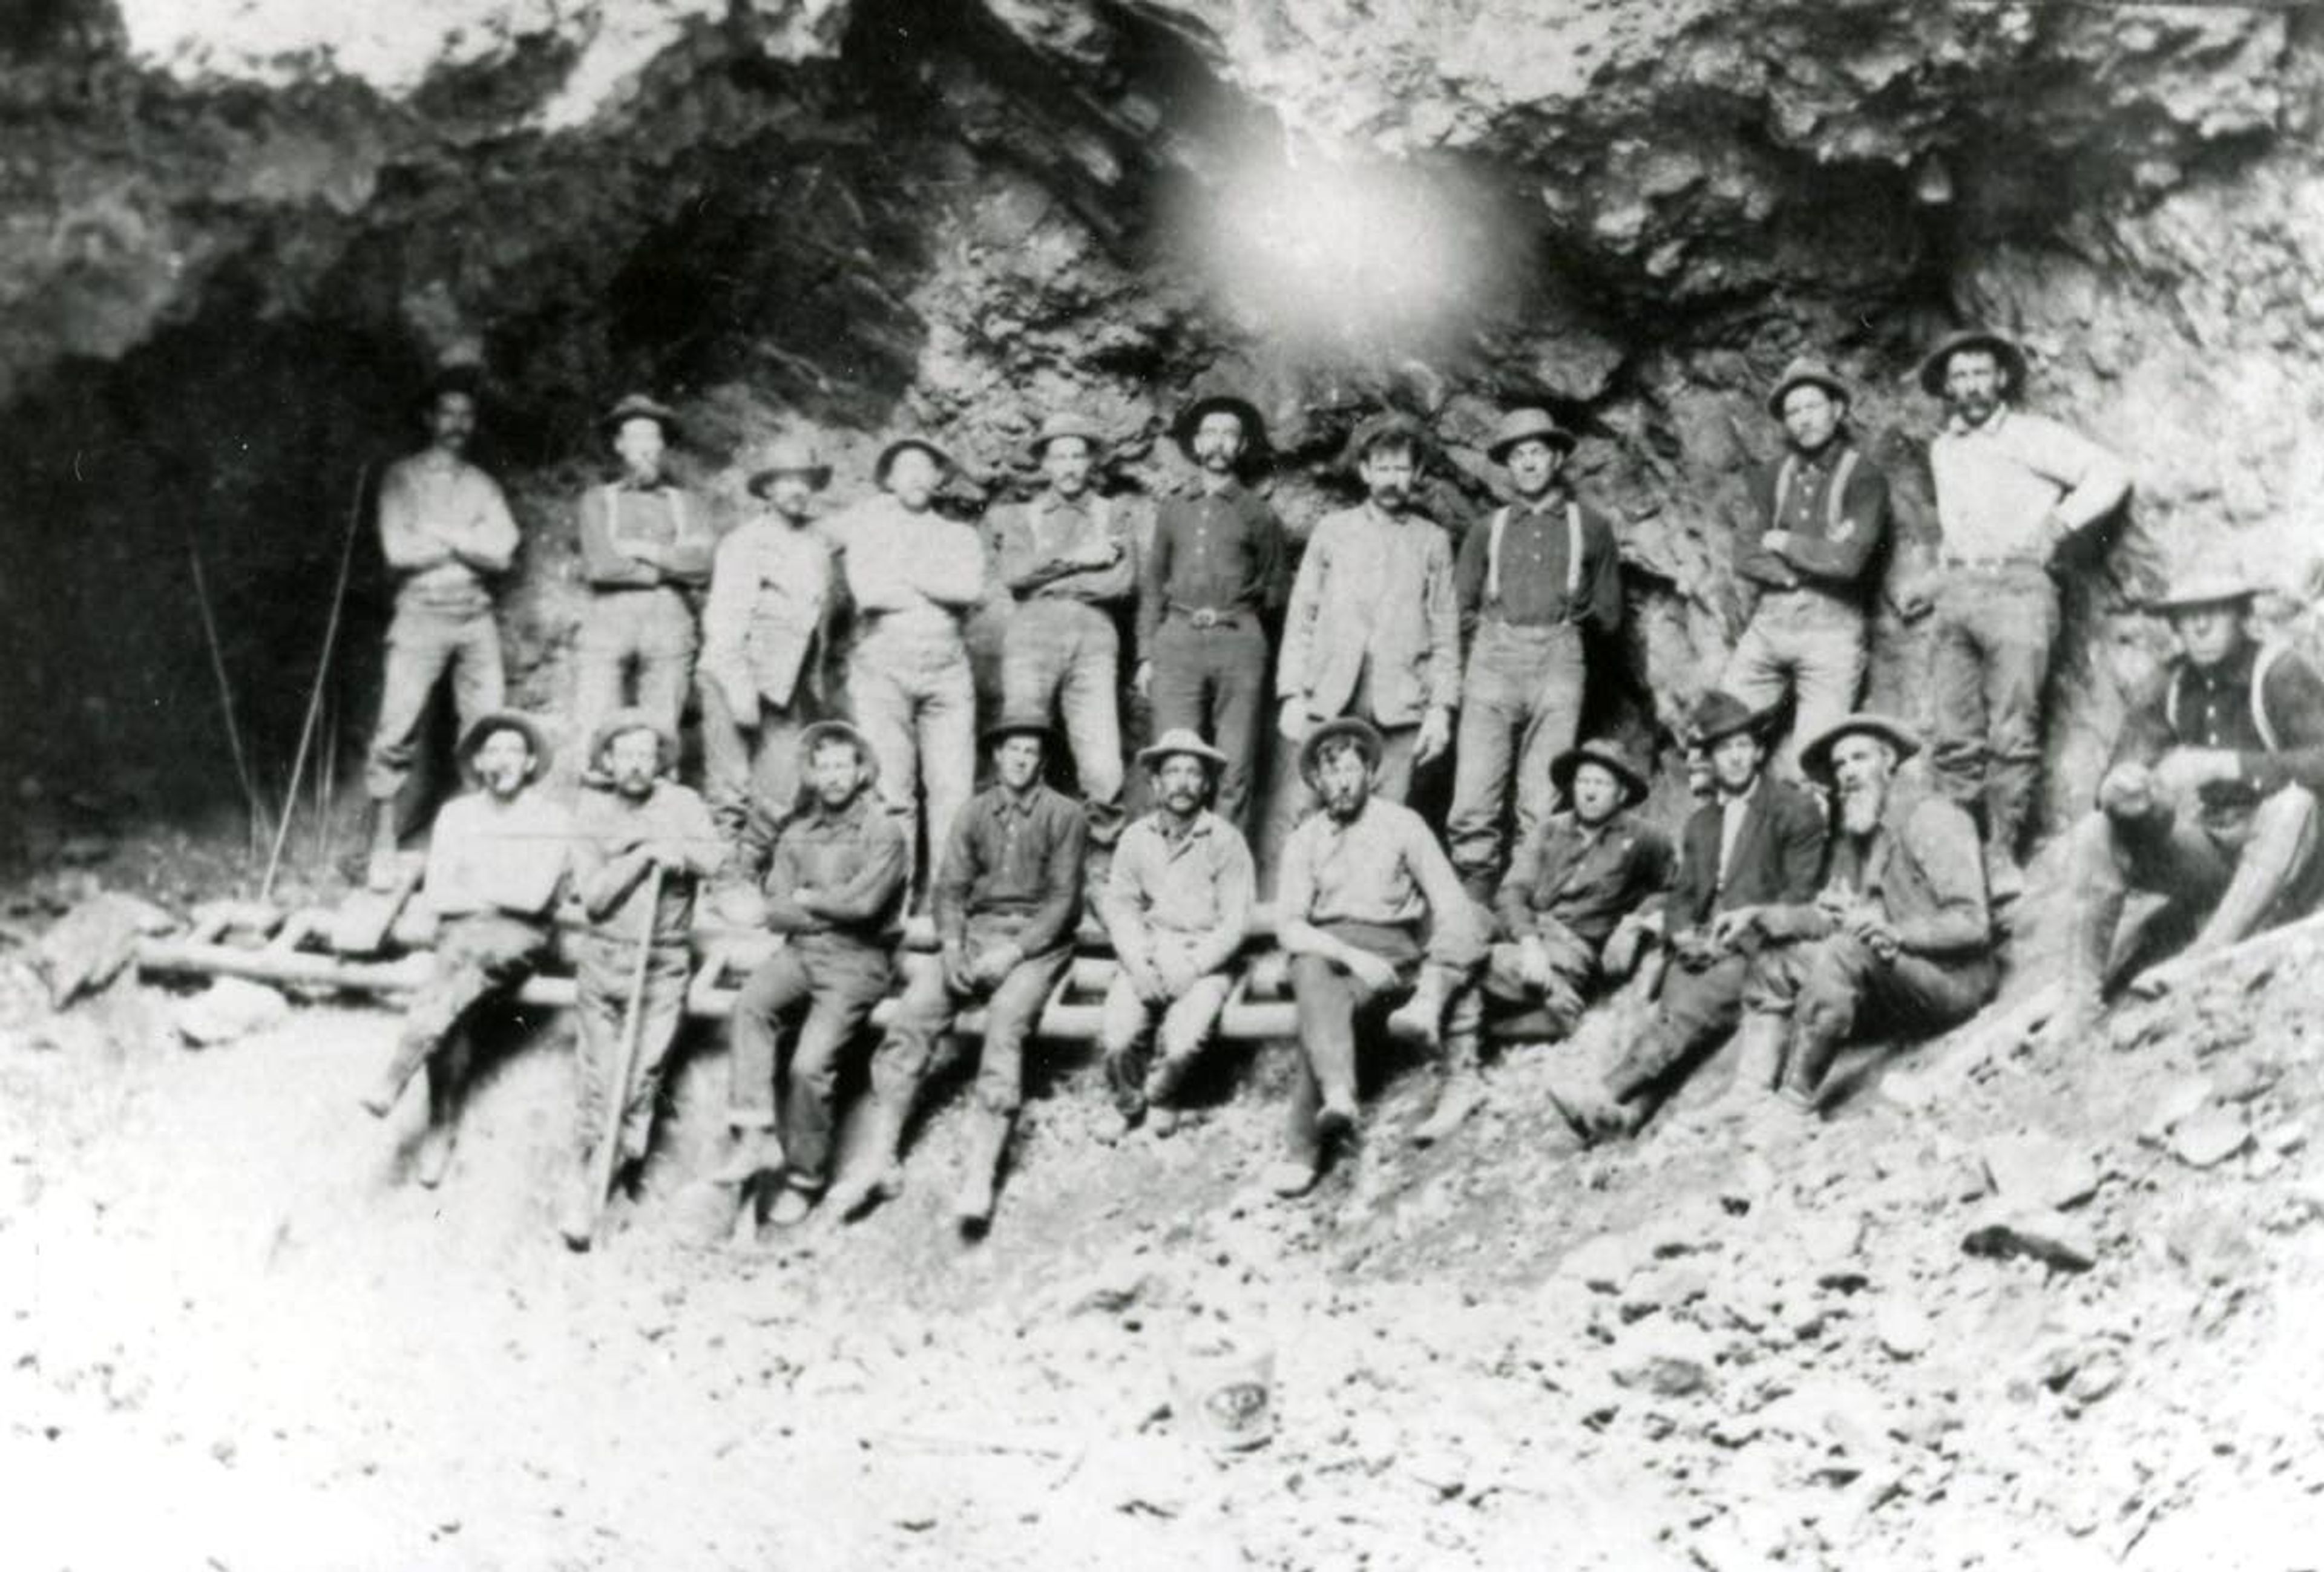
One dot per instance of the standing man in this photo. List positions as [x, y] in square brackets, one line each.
[1366, 906]
[646, 547]
[833, 876]
[1535, 584]
[1177, 906]
[764, 634]
[1217, 567]
[1069, 560]
[446, 531]
[2012, 489]
[495, 862]
[1374, 628]
[1900, 933]
[1006, 904]
[1759, 847]
[2209, 799]
[636, 822]
[1804, 558]
[913, 576]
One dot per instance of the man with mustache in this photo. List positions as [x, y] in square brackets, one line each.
[1899, 938]
[1177, 906]
[495, 862]
[2209, 799]
[2013, 489]
[634, 823]
[1215, 569]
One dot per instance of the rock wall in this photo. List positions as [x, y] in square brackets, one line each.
[233, 232]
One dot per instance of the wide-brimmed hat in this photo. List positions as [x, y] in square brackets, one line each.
[1021, 723]
[1254, 425]
[823, 732]
[1718, 715]
[639, 406]
[1524, 425]
[1815, 758]
[1067, 423]
[2202, 587]
[2004, 350]
[928, 446]
[1388, 425]
[481, 729]
[1807, 370]
[1367, 738]
[785, 456]
[620, 723]
[1181, 740]
[1602, 751]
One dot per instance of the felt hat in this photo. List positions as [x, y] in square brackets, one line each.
[1806, 370]
[1388, 426]
[1366, 738]
[1524, 424]
[1067, 423]
[888, 455]
[785, 456]
[823, 732]
[623, 722]
[481, 729]
[1718, 715]
[1019, 723]
[1815, 758]
[2004, 350]
[1190, 418]
[1602, 751]
[1181, 740]
[639, 406]
[2202, 587]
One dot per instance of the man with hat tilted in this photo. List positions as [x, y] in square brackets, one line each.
[1757, 849]
[646, 544]
[636, 822]
[2209, 798]
[1008, 900]
[1177, 906]
[1217, 567]
[446, 534]
[1899, 937]
[831, 879]
[1536, 582]
[495, 862]
[913, 576]
[1069, 559]
[1804, 557]
[765, 630]
[2012, 489]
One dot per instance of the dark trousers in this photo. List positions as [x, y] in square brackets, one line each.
[838, 982]
[476, 957]
[1831, 986]
[1013, 1010]
[1697, 1009]
[1213, 680]
[1572, 967]
[1333, 1007]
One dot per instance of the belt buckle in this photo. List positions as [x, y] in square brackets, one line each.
[1203, 617]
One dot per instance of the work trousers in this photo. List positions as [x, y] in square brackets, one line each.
[1067, 652]
[476, 957]
[423, 643]
[740, 763]
[636, 648]
[915, 703]
[1572, 967]
[838, 981]
[1013, 1010]
[1333, 1009]
[1832, 986]
[1212, 681]
[1988, 659]
[1809, 645]
[1128, 1025]
[600, 1006]
[1521, 707]
[1697, 1009]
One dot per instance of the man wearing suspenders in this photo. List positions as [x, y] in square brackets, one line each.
[1532, 581]
[1803, 555]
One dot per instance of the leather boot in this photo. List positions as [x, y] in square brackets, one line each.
[576, 1216]
[979, 1176]
[1420, 1018]
[1459, 1090]
[879, 1172]
[1804, 1071]
[755, 1151]
[1758, 1055]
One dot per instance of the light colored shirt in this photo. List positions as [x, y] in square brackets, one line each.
[914, 570]
[609, 826]
[1382, 867]
[769, 592]
[486, 855]
[435, 511]
[1374, 589]
[1732, 811]
[1195, 885]
[1996, 482]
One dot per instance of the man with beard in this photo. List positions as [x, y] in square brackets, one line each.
[1374, 628]
[1759, 847]
[913, 575]
[1535, 584]
[833, 877]
[1215, 568]
[646, 545]
[446, 531]
[1177, 906]
[636, 822]
[2209, 799]
[2013, 488]
[1006, 903]
[495, 862]
[1818, 516]
[764, 633]
[1366, 906]
[1899, 936]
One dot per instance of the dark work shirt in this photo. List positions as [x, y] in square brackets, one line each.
[1014, 857]
[2214, 709]
[1587, 880]
[855, 860]
[1210, 553]
[1826, 551]
[1534, 569]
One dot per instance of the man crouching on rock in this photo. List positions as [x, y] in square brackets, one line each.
[496, 860]
[636, 825]
[1900, 936]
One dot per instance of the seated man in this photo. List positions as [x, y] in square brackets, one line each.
[1900, 933]
[832, 875]
[494, 864]
[2210, 798]
[1177, 906]
[1759, 845]
[1366, 897]
[1006, 899]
